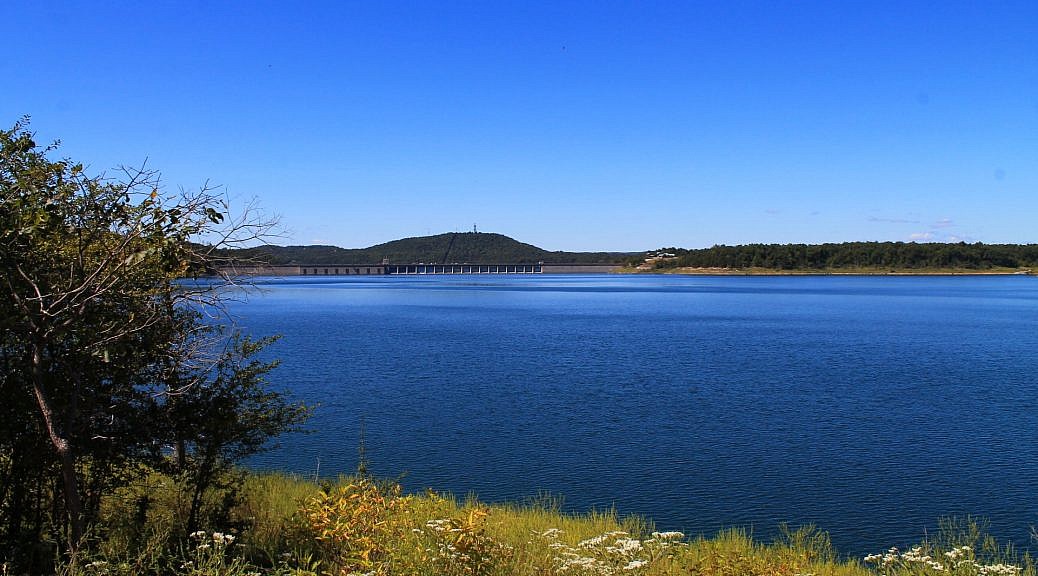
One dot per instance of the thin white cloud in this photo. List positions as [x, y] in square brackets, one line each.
[893, 220]
[921, 237]
[943, 223]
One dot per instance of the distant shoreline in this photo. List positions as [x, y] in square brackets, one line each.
[689, 271]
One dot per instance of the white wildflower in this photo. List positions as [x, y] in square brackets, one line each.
[999, 570]
[440, 525]
[600, 539]
[625, 547]
[593, 541]
[635, 564]
[891, 557]
[581, 562]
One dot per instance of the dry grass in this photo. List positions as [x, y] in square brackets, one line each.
[359, 526]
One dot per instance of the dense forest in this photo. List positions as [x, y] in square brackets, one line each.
[450, 248]
[856, 255]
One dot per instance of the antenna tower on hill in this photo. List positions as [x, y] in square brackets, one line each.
[474, 229]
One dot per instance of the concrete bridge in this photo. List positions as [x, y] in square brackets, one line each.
[416, 269]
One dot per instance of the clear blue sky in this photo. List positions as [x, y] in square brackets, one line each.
[572, 126]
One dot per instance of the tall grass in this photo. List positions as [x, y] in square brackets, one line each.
[287, 525]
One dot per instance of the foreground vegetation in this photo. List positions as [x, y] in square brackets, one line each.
[282, 525]
[110, 372]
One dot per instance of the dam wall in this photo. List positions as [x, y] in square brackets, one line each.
[580, 268]
[415, 269]
[342, 270]
[396, 269]
[258, 270]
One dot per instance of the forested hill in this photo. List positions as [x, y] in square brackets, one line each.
[465, 247]
[857, 255]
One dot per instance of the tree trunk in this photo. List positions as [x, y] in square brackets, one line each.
[200, 481]
[73, 503]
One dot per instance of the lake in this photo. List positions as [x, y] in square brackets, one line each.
[869, 406]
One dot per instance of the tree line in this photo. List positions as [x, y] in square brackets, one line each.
[856, 255]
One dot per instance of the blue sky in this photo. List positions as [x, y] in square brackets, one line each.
[572, 126]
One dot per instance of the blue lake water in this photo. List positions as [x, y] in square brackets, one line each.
[869, 406]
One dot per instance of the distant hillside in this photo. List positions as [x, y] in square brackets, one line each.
[450, 248]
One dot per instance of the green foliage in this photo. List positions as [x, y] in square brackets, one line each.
[105, 363]
[87, 270]
[216, 415]
[856, 256]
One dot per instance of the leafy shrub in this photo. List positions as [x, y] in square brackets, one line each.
[353, 524]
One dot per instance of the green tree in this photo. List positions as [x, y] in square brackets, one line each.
[214, 416]
[94, 317]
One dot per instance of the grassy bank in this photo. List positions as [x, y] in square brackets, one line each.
[284, 525]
